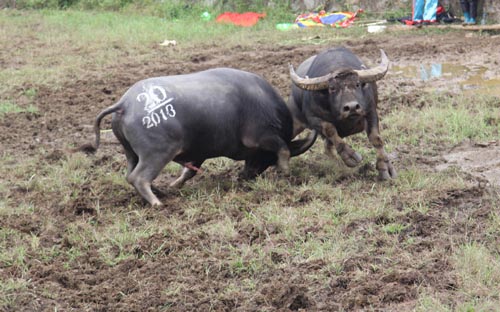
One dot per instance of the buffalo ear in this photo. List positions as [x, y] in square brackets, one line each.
[332, 85]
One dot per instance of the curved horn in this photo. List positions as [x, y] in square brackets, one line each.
[310, 84]
[376, 73]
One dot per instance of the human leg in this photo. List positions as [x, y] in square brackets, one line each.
[473, 11]
[430, 10]
[469, 8]
[418, 10]
[465, 6]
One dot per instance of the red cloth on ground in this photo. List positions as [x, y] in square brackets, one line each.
[240, 19]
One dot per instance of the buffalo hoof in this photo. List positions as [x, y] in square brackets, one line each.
[157, 204]
[283, 171]
[247, 174]
[386, 170]
[351, 158]
[154, 202]
[284, 174]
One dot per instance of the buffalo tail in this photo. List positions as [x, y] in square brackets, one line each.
[298, 147]
[88, 148]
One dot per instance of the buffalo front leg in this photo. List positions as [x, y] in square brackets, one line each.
[350, 157]
[385, 168]
[256, 165]
[276, 145]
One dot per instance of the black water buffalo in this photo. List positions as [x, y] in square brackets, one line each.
[334, 93]
[190, 118]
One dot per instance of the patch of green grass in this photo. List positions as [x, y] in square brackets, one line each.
[394, 228]
[223, 229]
[90, 29]
[65, 179]
[10, 290]
[430, 302]
[479, 271]
[443, 120]
[30, 93]
[246, 260]
[330, 250]
[121, 236]
[13, 249]
[11, 108]
[494, 228]
[21, 209]
[427, 302]
[413, 178]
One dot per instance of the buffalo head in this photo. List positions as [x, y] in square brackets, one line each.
[336, 94]
[345, 89]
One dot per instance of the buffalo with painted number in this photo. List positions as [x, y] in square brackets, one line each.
[194, 117]
[334, 93]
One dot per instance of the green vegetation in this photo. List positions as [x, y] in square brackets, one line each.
[72, 41]
[171, 10]
[442, 120]
[9, 108]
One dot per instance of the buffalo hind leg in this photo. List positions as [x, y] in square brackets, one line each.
[148, 168]
[186, 174]
[132, 160]
[350, 157]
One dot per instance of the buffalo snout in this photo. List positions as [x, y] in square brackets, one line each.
[351, 109]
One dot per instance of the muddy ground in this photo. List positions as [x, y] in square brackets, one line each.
[64, 120]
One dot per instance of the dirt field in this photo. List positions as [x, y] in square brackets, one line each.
[366, 281]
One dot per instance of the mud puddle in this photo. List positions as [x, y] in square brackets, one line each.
[467, 79]
[481, 160]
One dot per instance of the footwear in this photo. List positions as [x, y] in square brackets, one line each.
[431, 22]
[472, 21]
[466, 18]
[417, 23]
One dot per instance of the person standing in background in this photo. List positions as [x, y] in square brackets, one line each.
[469, 7]
[424, 11]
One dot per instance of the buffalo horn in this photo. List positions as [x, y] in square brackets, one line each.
[321, 83]
[311, 84]
[376, 73]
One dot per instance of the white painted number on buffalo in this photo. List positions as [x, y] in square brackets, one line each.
[157, 105]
